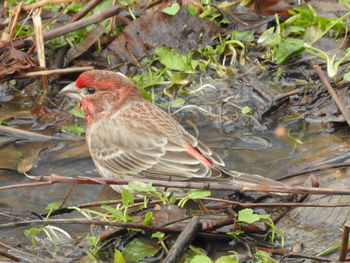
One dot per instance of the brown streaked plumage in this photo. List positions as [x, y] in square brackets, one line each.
[130, 137]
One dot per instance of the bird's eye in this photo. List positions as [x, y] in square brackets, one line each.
[90, 90]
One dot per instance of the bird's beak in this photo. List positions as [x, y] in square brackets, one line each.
[72, 92]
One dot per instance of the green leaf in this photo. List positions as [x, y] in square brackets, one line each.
[118, 215]
[347, 76]
[126, 2]
[158, 235]
[247, 216]
[141, 187]
[192, 10]
[148, 218]
[93, 241]
[177, 102]
[127, 197]
[118, 257]
[73, 129]
[312, 33]
[245, 36]
[32, 231]
[235, 234]
[172, 10]
[53, 206]
[264, 257]
[246, 110]
[78, 112]
[270, 38]
[289, 47]
[194, 194]
[74, 8]
[201, 259]
[226, 259]
[140, 248]
[174, 61]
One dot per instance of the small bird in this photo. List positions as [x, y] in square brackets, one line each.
[129, 137]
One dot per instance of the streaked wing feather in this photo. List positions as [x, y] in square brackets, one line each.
[125, 146]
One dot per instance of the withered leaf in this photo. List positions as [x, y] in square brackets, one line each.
[182, 32]
[13, 61]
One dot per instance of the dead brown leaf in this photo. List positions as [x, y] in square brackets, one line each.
[47, 117]
[271, 7]
[182, 32]
[13, 61]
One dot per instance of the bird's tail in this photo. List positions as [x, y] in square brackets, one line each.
[251, 179]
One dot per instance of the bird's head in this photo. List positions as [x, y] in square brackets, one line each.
[101, 92]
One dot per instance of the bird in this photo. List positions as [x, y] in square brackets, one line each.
[130, 137]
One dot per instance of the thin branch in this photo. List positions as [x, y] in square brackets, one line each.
[53, 71]
[28, 135]
[83, 221]
[334, 95]
[344, 243]
[72, 26]
[54, 178]
[86, 9]
[184, 239]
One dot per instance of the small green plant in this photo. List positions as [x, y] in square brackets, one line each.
[263, 257]
[247, 216]
[148, 189]
[51, 232]
[32, 234]
[140, 248]
[295, 35]
[161, 237]
[51, 207]
[118, 257]
[172, 10]
[96, 246]
[75, 128]
[246, 110]
[222, 259]
[193, 195]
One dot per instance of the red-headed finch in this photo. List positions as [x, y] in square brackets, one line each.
[129, 137]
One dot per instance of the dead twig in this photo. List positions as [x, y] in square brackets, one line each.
[86, 9]
[8, 32]
[331, 91]
[53, 71]
[287, 254]
[54, 178]
[344, 243]
[27, 135]
[15, 19]
[22, 255]
[72, 26]
[83, 221]
[40, 50]
[184, 239]
[9, 256]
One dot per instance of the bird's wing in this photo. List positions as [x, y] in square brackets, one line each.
[154, 145]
